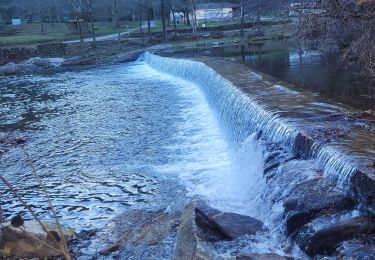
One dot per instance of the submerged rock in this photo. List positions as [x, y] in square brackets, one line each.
[24, 244]
[323, 234]
[363, 249]
[312, 198]
[226, 225]
[266, 256]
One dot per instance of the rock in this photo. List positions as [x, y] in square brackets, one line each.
[363, 185]
[43, 62]
[10, 69]
[189, 243]
[302, 144]
[3, 61]
[226, 225]
[357, 249]
[133, 41]
[128, 57]
[312, 198]
[323, 234]
[73, 61]
[267, 256]
[110, 248]
[23, 244]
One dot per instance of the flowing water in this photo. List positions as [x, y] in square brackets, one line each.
[110, 138]
[151, 134]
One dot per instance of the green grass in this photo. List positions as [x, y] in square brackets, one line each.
[28, 34]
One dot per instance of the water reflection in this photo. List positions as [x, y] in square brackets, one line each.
[306, 69]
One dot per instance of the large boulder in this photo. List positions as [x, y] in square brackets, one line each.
[28, 244]
[312, 198]
[322, 235]
[226, 225]
[201, 224]
[189, 243]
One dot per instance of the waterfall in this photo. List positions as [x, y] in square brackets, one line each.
[241, 115]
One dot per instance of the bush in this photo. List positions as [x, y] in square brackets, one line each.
[6, 30]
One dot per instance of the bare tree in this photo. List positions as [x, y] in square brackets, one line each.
[162, 13]
[116, 20]
[348, 24]
[41, 15]
[90, 15]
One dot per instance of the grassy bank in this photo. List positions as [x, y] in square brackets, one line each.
[28, 34]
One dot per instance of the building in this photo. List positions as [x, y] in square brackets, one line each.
[216, 11]
[210, 12]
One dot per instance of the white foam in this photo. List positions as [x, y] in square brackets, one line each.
[225, 176]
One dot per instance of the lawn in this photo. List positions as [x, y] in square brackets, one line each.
[28, 34]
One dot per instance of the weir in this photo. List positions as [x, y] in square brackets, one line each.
[242, 113]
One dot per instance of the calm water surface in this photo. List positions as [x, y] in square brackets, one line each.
[308, 69]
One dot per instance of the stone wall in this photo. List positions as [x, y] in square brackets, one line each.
[42, 50]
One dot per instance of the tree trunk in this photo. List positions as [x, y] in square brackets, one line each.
[51, 20]
[41, 18]
[77, 21]
[187, 19]
[258, 19]
[57, 12]
[242, 18]
[116, 22]
[174, 24]
[140, 28]
[162, 11]
[91, 16]
[195, 29]
[149, 23]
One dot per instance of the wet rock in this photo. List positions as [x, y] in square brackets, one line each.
[133, 234]
[302, 144]
[357, 249]
[13, 69]
[110, 248]
[3, 61]
[128, 57]
[323, 234]
[363, 185]
[325, 134]
[274, 157]
[23, 244]
[74, 61]
[226, 225]
[43, 62]
[189, 243]
[267, 256]
[312, 198]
